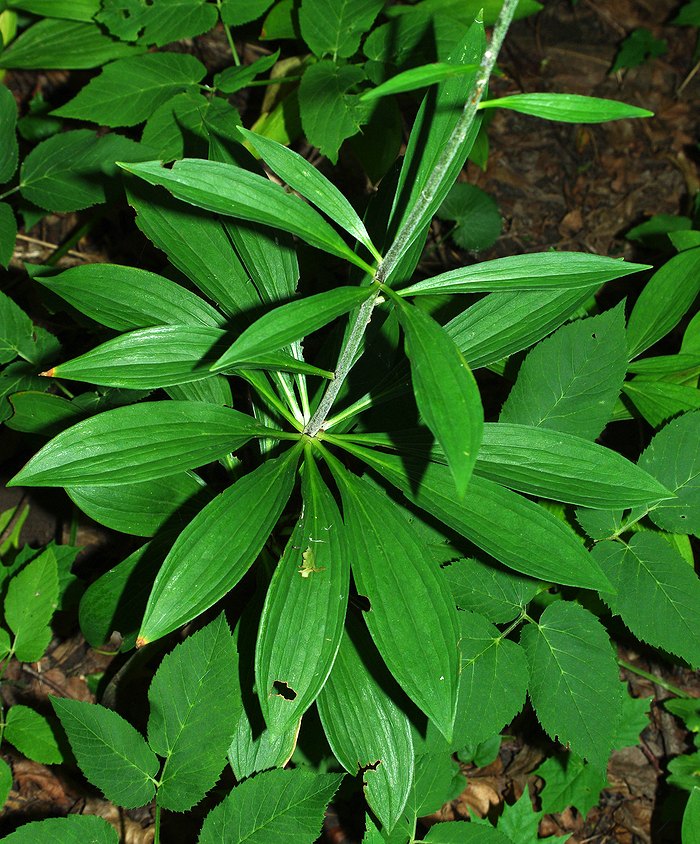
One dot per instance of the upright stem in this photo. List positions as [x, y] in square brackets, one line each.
[229, 37]
[414, 221]
[156, 831]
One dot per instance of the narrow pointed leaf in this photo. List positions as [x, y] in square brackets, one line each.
[574, 683]
[191, 697]
[311, 184]
[366, 730]
[691, 818]
[31, 600]
[9, 151]
[111, 753]
[534, 271]
[568, 108]
[229, 533]
[302, 621]
[236, 192]
[412, 617]
[446, 392]
[138, 443]
[417, 77]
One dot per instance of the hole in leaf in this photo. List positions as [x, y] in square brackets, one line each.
[370, 766]
[594, 336]
[363, 602]
[283, 690]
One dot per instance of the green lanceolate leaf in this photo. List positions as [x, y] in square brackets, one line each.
[32, 735]
[551, 464]
[658, 592]
[535, 271]
[110, 752]
[74, 829]
[230, 533]
[673, 457]
[234, 78]
[571, 381]
[311, 184]
[125, 298]
[494, 519]
[665, 299]
[366, 730]
[287, 323]
[130, 90]
[659, 401]
[568, 108]
[574, 685]
[235, 192]
[302, 621]
[412, 617]
[191, 697]
[32, 598]
[335, 29]
[274, 806]
[72, 10]
[417, 77]
[138, 443]
[446, 393]
[157, 22]
[9, 151]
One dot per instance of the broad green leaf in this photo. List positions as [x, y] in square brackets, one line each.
[417, 77]
[600, 524]
[574, 685]
[41, 413]
[32, 735]
[412, 617]
[8, 234]
[520, 822]
[445, 391]
[459, 832]
[234, 78]
[74, 829]
[125, 298]
[495, 519]
[659, 401]
[138, 443]
[664, 300]
[302, 621]
[329, 113]
[191, 697]
[31, 600]
[216, 390]
[568, 108]
[691, 817]
[235, 13]
[436, 780]
[143, 508]
[466, 11]
[534, 271]
[311, 184]
[274, 806]
[680, 365]
[636, 48]
[9, 150]
[658, 592]
[287, 323]
[570, 781]
[130, 90]
[72, 10]
[478, 222]
[504, 323]
[235, 192]
[570, 381]
[684, 771]
[185, 234]
[673, 457]
[335, 29]
[110, 752]
[492, 682]
[366, 730]
[494, 592]
[156, 21]
[229, 532]
[64, 45]
[6, 786]
[16, 332]
[564, 467]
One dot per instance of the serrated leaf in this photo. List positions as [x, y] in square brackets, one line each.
[673, 457]
[659, 401]
[459, 832]
[570, 381]
[412, 617]
[691, 816]
[492, 682]
[157, 22]
[138, 443]
[445, 391]
[16, 331]
[574, 685]
[478, 222]
[191, 697]
[639, 45]
[129, 90]
[8, 234]
[533, 271]
[110, 752]
[568, 108]
[235, 192]
[570, 781]
[229, 532]
[31, 600]
[494, 592]
[329, 113]
[32, 735]
[600, 524]
[365, 728]
[302, 621]
[635, 719]
[74, 829]
[273, 806]
[9, 150]
[659, 594]
[335, 29]
[6, 784]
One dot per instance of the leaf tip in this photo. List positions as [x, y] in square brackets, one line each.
[141, 641]
[50, 373]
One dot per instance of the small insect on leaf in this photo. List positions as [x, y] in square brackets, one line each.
[308, 563]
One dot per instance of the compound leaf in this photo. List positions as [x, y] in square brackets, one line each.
[335, 29]
[488, 589]
[32, 735]
[32, 598]
[74, 829]
[157, 22]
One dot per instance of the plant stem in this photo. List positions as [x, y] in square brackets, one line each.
[657, 680]
[9, 192]
[415, 219]
[156, 832]
[234, 52]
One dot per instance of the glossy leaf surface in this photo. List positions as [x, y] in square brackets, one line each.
[568, 108]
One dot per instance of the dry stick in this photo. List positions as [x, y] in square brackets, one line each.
[415, 220]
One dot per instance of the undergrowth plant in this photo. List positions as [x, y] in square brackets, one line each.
[391, 550]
